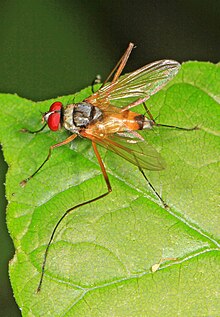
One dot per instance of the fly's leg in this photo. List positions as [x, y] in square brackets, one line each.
[148, 112]
[117, 70]
[142, 101]
[166, 125]
[135, 103]
[120, 65]
[175, 127]
[105, 175]
[153, 189]
[33, 132]
[68, 140]
[96, 81]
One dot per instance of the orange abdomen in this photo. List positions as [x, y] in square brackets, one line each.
[118, 121]
[132, 120]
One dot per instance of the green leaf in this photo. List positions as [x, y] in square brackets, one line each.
[100, 261]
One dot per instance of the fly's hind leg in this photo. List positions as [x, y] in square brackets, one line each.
[117, 70]
[150, 116]
[120, 65]
[166, 125]
[153, 189]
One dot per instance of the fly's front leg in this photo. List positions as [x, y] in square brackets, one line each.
[33, 132]
[68, 140]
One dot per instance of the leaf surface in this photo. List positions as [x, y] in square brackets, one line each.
[100, 261]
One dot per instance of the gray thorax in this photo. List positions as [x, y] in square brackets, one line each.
[80, 115]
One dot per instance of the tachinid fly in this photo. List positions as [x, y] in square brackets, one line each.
[113, 127]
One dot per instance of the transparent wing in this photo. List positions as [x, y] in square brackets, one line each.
[138, 152]
[141, 83]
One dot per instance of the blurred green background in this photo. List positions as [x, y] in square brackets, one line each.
[51, 48]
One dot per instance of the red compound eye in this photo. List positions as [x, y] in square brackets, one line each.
[54, 118]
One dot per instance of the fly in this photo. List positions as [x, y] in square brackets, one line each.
[115, 128]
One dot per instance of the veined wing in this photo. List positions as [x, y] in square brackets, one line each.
[138, 152]
[144, 82]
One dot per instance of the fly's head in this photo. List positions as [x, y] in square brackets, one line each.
[54, 116]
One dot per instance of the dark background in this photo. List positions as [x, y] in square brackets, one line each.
[50, 48]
